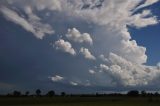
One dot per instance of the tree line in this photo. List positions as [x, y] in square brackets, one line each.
[51, 93]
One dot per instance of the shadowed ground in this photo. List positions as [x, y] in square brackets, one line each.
[80, 101]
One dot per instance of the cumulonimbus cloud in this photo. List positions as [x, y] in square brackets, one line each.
[122, 59]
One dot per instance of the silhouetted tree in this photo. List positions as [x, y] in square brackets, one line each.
[63, 94]
[51, 93]
[97, 94]
[143, 93]
[26, 93]
[133, 93]
[38, 92]
[156, 94]
[8, 94]
[16, 93]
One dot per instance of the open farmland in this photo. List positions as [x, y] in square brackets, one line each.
[80, 101]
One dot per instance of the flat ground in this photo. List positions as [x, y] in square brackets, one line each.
[80, 101]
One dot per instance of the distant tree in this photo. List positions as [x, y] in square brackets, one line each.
[38, 92]
[26, 93]
[97, 94]
[8, 94]
[63, 94]
[16, 93]
[143, 93]
[51, 93]
[156, 94]
[133, 93]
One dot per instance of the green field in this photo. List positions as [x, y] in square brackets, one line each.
[80, 101]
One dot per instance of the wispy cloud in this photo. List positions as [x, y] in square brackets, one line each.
[32, 25]
[147, 3]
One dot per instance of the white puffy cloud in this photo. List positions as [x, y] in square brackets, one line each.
[127, 73]
[32, 25]
[65, 46]
[137, 52]
[104, 67]
[56, 78]
[92, 71]
[76, 36]
[87, 54]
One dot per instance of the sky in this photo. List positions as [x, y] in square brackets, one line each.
[79, 46]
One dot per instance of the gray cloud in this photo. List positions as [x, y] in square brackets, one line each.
[103, 58]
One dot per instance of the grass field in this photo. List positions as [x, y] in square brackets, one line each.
[80, 101]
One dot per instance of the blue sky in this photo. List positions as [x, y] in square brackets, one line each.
[79, 46]
[149, 37]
